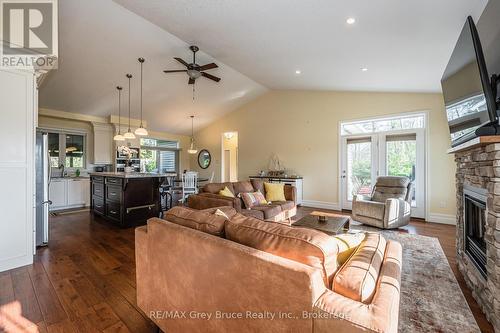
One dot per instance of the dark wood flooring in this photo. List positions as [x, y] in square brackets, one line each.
[85, 280]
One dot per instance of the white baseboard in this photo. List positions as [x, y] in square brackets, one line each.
[321, 204]
[442, 218]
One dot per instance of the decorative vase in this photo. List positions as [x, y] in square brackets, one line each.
[129, 169]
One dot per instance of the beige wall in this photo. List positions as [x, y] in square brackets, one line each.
[69, 121]
[302, 128]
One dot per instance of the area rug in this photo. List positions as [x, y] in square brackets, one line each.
[431, 299]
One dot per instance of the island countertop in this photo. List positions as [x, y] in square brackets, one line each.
[132, 174]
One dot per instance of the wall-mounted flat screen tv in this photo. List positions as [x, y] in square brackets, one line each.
[468, 95]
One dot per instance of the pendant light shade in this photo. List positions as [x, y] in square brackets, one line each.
[119, 136]
[129, 134]
[141, 131]
[192, 149]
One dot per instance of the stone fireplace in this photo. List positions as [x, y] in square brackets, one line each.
[478, 223]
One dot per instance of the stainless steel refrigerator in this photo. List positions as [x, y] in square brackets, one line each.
[43, 175]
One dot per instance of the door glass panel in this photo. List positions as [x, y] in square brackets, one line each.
[359, 167]
[401, 152]
[74, 151]
[54, 149]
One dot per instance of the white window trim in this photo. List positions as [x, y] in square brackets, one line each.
[382, 118]
[70, 132]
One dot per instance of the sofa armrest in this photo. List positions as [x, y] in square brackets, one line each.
[397, 213]
[341, 314]
[211, 200]
[142, 267]
[291, 193]
[372, 209]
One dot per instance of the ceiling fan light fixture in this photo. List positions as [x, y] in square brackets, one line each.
[229, 135]
[193, 73]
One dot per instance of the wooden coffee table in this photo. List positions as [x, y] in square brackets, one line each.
[334, 224]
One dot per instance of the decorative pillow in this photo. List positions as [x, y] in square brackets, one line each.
[253, 198]
[226, 192]
[275, 192]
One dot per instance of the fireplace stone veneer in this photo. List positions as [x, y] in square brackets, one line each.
[479, 168]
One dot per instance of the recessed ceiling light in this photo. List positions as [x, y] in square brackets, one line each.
[298, 71]
[364, 69]
[351, 20]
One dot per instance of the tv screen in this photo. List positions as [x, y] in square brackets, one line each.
[466, 87]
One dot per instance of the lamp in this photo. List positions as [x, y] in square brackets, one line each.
[141, 131]
[119, 136]
[192, 149]
[129, 134]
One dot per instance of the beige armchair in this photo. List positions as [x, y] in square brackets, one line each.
[389, 205]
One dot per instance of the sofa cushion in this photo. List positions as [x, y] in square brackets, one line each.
[197, 219]
[269, 211]
[357, 278]
[390, 187]
[307, 246]
[217, 187]
[275, 192]
[243, 187]
[258, 185]
[253, 213]
[285, 205]
[251, 199]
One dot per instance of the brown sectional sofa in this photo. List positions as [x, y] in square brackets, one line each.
[200, 272]
[277, 211]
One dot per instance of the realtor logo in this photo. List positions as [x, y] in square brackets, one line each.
[29, 33]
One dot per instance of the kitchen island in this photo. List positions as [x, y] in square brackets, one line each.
[126, 199]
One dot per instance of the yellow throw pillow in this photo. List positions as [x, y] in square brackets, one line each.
[275, 191]
[226, 192]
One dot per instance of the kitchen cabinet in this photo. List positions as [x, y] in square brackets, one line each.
[68, 193]
[103, 143]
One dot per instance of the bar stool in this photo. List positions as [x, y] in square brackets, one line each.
[165, 195]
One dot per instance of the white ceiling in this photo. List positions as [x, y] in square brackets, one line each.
[404, 44]
[100, 41]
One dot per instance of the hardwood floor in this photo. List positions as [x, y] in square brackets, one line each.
[85, 280]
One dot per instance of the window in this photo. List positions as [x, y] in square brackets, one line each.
[68, 148]
[159, 155]
[74, 151]
[383, 124]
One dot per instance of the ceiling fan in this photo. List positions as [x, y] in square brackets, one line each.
[194, 70]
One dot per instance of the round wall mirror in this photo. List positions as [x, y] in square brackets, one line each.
[204, 159]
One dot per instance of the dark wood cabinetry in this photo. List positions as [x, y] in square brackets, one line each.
[126, 201]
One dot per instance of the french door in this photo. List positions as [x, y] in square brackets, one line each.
[395, 153]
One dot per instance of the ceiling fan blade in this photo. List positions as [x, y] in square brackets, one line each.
[211, 77]
[191, 80]
[181, 61]
[208, 66]
[175, 71]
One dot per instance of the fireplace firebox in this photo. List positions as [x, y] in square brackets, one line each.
[475, 227]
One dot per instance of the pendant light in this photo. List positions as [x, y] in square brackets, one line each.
[192, 149]
[141, 131]
[129, 134]
[119, 136]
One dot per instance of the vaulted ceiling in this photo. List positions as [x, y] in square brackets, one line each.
[258, 45]
[405, 45]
